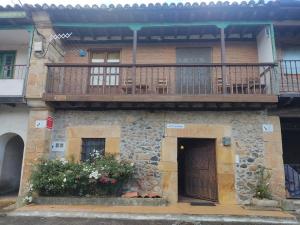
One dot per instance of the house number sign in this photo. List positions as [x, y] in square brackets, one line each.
[40, 123]
[267, 128]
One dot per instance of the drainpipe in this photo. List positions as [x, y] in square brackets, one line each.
[30, 30]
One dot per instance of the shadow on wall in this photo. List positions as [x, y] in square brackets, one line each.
[11, 156]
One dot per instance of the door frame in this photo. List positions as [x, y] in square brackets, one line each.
[225, 160]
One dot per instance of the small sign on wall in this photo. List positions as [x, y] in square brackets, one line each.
[58, 146]
[40, 123]
[175, 126]
[267, 128]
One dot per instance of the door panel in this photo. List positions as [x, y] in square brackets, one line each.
[200, 170]
[191, 80]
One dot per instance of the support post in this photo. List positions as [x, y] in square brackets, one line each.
[223, 60]
[134, 60]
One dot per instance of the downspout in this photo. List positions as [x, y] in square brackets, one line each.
[30, 30]
[277, 70]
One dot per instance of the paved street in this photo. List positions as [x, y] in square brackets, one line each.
[5, 220]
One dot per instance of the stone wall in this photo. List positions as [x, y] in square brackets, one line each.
[142, 133]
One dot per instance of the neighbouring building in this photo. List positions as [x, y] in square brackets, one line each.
[198, 95]
[16, 32]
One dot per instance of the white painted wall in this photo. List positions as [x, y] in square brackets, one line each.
[14, 120]
[264, 46]
[265, 55]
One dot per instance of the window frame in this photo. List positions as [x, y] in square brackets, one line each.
[110, 79]
[84, 157]
[3, 54]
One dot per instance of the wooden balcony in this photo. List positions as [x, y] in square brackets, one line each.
[171, 83]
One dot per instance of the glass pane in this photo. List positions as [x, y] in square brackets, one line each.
[98, 57]
[112, 80]
[113, 57]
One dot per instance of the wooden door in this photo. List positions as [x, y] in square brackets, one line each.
[200, 170]
[193, 80]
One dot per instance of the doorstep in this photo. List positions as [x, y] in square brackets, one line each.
[173, 212]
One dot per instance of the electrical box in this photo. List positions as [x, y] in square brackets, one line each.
[226, 141]
[38, 46]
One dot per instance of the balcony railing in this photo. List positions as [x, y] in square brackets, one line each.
[160, 80]
[12, 80]
[290, 76]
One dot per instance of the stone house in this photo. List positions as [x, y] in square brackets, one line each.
[196, 95]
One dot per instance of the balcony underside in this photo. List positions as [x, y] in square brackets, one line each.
[12, 100]
[161, 102]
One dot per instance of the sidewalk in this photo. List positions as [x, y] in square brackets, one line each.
[175, 212]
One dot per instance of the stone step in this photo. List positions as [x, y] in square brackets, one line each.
[296, 203]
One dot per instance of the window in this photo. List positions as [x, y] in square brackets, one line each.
[92, 146]
[105, 75]
[7, 61]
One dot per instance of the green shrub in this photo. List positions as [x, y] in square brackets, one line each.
[99, 176]
[262, 188]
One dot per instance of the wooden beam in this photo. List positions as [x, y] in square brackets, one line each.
[241, 98]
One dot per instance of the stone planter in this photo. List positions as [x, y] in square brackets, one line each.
[265, 203]
[100, 201]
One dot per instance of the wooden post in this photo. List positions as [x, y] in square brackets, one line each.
[134, 60]
[223, 59]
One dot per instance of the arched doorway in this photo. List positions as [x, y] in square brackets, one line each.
[11, 157]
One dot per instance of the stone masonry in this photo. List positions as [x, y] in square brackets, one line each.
[142, 133]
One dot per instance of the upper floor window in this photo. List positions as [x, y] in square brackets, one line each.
[7, 61]
[108, 75]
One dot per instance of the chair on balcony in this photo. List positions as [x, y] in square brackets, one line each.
[127, 86]
[162, 86]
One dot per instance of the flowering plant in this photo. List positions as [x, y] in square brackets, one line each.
[101, 175]
[262, 188]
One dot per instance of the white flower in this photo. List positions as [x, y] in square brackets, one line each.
[64, 161]
[28, 199]
[65, 179]
[132, 164]
[95, 174]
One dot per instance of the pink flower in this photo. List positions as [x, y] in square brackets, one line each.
[113, 181]
[104, 180]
